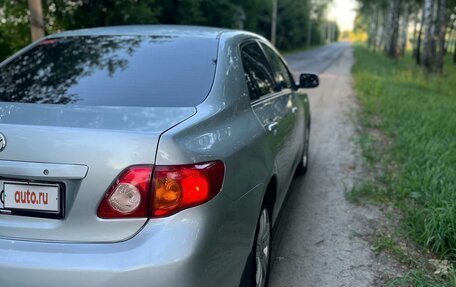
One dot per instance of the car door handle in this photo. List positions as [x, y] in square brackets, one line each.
[294, 110]
[272, 126]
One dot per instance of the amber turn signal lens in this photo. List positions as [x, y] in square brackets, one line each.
[178, 187]
[168, 193]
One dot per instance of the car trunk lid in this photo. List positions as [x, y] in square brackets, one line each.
[80, 149]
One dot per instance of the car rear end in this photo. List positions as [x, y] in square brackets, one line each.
[82, 201]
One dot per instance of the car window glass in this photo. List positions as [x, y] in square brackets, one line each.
[257, 71]
[281, 73]
[151, 71]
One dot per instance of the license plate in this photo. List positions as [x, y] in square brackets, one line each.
[31, 197]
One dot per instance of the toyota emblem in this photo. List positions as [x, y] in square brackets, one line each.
[2, 142]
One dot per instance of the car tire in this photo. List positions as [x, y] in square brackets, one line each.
[301, 169]
[261, 250]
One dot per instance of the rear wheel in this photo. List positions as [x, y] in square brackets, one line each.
[301, 169]
[262, 249]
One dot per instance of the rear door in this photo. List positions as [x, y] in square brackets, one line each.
[273, 107]
[286, 82]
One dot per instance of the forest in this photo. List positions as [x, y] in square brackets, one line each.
[428, 26]
[300, 23]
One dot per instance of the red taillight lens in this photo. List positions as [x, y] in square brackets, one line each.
[173, 188]
[128, 196]
[179, 187]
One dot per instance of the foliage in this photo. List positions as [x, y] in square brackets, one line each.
[252, 15]
[88, 13]
[413, 110]
[14, 27]
[387, 23]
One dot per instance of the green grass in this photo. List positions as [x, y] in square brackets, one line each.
[416, 112]
[419, 279]
[386, 243]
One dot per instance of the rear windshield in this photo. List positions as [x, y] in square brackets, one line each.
[152, 71]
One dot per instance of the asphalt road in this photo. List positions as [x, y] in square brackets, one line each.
[316, 243]
[316, 60]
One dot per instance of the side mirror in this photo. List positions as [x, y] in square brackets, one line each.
[308, 81]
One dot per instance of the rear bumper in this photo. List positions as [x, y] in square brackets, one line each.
[190, 248]
[136, 262]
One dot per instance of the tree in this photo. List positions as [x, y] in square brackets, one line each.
[73, 14]
[434, 21]
[295, 26]
[36, 19]
[386, 23]
[417, 47]
[14, 27]
[373, 16]
[441, 32]
[391, 48]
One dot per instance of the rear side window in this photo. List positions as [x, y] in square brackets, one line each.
[281, 73]
[257, 71]
[152, 71]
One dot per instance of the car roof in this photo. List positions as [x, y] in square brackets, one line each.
[149, 30]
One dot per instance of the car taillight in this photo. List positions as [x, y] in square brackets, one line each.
[129, 195]
[182, 186]
[172, 189]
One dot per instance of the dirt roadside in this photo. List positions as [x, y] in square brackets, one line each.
[319, 241]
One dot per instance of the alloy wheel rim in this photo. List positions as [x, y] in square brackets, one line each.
[262, 250]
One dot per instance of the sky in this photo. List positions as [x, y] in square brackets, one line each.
[343, 12]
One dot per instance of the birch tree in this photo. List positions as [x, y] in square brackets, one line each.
[391, 47]
[428, 15]
[434, 22]
[387, 24]
[440, 33]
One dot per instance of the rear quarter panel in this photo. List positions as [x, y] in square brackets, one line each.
[225, 128]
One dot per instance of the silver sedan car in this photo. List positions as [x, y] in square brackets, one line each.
[146, 156]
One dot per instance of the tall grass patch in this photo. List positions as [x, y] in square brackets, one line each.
[417, 113]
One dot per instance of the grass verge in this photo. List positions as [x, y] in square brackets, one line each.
[409, 142]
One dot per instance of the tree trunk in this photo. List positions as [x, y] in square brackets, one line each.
[428, 34]
[371, 29]
[449, 36]
[434, 35]
[274, 22]
[388, 26]
[391, 48]
[36, 19]
[454, 55]
[415, 34]
[441, 36]
[419, 40]
[369, 34]
[454, 43]
[384, 28]
[418, 48]
[377, 30]
[309, 25]
[453, 39]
